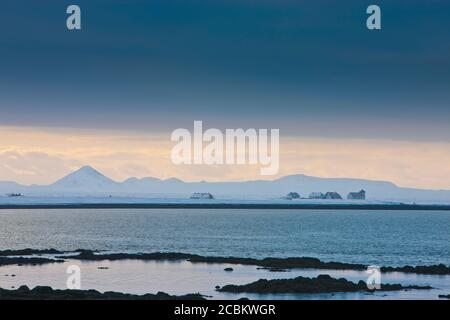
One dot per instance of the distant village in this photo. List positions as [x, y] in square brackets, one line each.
[202, 195]
[14, 195]
[360, 195]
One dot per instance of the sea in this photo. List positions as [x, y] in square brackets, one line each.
[371, 237]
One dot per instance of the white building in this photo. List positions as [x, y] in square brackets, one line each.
[361, 195]
[317, 195]
[202, 195]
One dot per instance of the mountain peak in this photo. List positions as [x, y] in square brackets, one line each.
[85, 178]
[87, 169]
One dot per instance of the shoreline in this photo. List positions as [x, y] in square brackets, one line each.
[297, 275]
[302, 206]
[48, 293]
[34, 256]
[320, 284]
[270, 263]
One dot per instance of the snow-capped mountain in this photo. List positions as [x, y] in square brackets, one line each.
[85, 179]
[89, 182]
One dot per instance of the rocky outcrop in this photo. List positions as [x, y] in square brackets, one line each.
[321, 284]
[47, 293]
[272, 264]
[5, 261]
[28, 252]
[92, 256]
[439, 269]
[281, 263]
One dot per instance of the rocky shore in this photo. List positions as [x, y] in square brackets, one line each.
[90, 255]
[5, 261]
[439, 269]
[282, 263]
[47, 293]
[269, 263]
[27, 256]
[29, 252]
[321, 284]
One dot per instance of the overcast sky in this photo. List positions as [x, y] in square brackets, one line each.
[309, 68]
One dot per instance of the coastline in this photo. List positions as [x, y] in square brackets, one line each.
[48, 293]
[272, 264]
[204, 205]
[232, 278]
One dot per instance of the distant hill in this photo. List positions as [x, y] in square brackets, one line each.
[89, 182]
[85, 179]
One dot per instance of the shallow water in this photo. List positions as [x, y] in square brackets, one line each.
[178, 278]
[368, 237]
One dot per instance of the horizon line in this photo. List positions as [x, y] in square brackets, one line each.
[90, 167]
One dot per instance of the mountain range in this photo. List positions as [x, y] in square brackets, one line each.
[87, 181]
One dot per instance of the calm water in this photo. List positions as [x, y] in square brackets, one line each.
[369, 237]
[140, 277]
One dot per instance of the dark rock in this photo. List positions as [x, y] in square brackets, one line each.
[23, 289]
[217, 287]
[321, 284]
[228, 269]
[92, 256]
[276, 264]
[439, 269]
[28, 252]
[43, 290]
[277, 270]
[20, 261]
[281, 263]
[443, 296]
[47, 293]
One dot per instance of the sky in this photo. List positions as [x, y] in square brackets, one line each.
[349, 102]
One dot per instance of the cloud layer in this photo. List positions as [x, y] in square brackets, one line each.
[41, 156]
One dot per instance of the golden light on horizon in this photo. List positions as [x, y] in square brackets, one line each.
[43, 155]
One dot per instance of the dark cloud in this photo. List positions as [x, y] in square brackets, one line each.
[309, 68]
